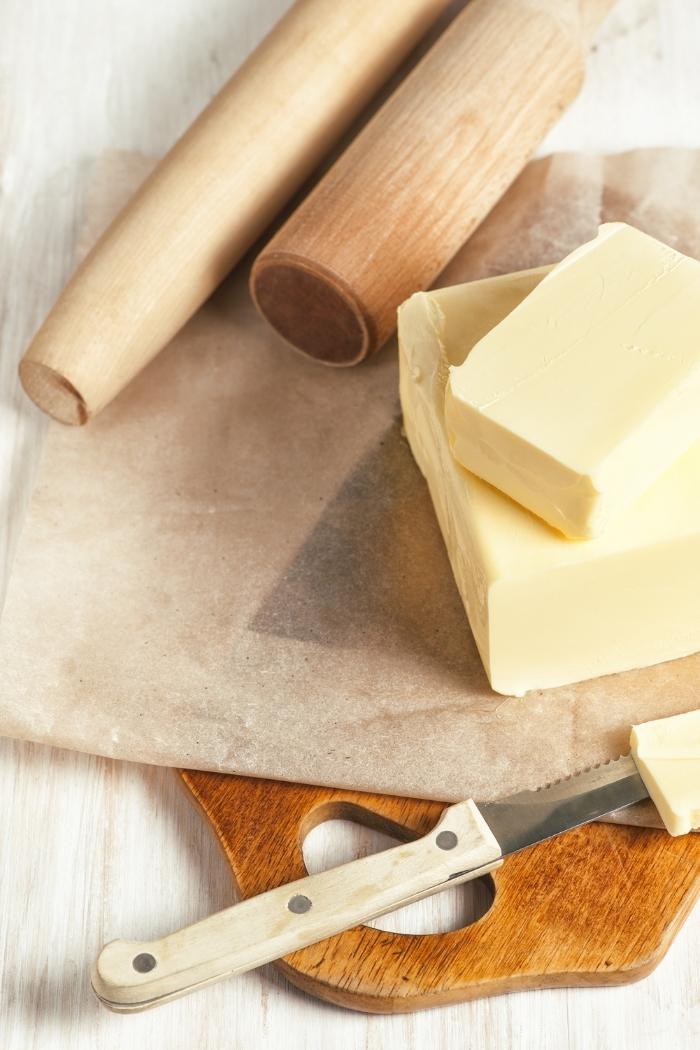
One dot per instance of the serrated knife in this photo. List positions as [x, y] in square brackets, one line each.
[468, 841]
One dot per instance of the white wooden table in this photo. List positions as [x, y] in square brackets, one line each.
[92, 849]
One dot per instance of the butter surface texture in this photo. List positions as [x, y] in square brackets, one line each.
[589, 390]
[545, 611]
[667, 755]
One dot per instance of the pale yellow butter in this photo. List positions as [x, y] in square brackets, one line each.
[545, 611]
[583, 395]
[667, 755]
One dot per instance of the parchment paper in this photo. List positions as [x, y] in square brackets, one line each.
[236, 566]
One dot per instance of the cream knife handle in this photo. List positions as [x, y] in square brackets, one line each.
[133, 975]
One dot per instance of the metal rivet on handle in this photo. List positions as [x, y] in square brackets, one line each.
[446, 840]
[143, 963]
[299, 904]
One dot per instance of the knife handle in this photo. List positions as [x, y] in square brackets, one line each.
[133, 975]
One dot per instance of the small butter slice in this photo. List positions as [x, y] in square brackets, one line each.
[667, 755]
[545, 611]
[589, 389]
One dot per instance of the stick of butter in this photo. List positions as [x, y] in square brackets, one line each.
[545, 611]
[667, 755]
[583, 395]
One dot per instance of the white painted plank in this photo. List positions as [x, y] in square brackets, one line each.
[90, 849]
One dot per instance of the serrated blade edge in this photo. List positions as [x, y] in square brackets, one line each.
[533, 816]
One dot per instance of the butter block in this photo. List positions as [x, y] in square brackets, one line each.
[667, 755]
[590, 389]
[545, 611]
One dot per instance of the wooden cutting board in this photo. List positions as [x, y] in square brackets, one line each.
[599, 905]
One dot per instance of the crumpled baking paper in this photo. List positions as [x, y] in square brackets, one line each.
[236, 566]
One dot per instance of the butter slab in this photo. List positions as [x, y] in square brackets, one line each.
[545, 611]
[667, 755]
[583, 395]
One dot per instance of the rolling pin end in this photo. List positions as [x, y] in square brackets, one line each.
[312, 308]
[52, 392]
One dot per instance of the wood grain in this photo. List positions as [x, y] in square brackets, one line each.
[121, 850]
[136, 975]
[213, 194]
[406, 194]
[597, 906]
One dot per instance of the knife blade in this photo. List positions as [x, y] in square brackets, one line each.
[468, 841]
[534, 816]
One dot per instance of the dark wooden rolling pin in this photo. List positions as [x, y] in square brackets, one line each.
[414, 184]
[213, 195]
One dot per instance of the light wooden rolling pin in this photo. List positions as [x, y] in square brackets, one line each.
[421, 175]
[213, 195]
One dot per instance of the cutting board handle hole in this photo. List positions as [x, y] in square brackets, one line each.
[334, 841]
